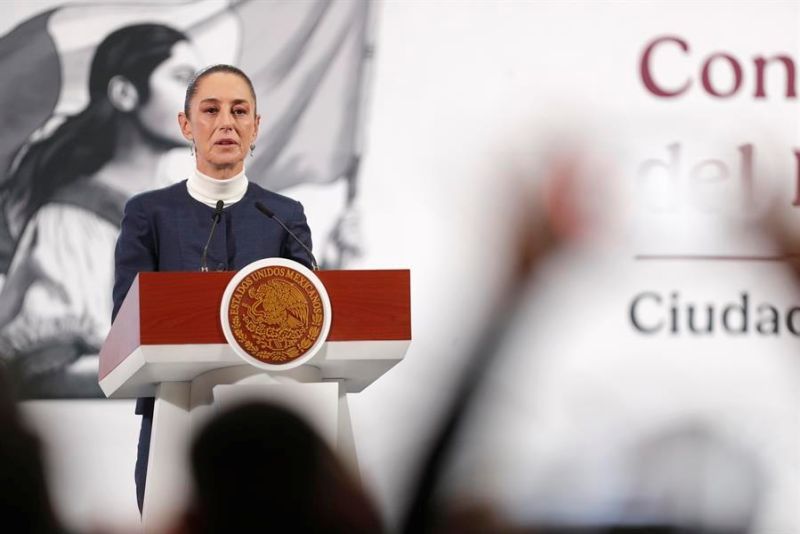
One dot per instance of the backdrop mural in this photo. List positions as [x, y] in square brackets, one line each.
[76, 149]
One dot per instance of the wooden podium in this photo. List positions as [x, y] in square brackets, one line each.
[167, 342]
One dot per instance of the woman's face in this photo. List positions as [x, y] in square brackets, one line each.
[222, 123]
[167, 89]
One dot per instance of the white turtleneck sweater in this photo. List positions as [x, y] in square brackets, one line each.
[209, 190]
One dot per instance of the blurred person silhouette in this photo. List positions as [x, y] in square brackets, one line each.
[543, 226]
[491, 410]
[260, 468]
[25, 504]
[63, 204]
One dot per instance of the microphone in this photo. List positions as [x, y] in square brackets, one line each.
[217, 216]
[269, 213]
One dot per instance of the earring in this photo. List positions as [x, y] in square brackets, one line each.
[252, 148]
[191, 149]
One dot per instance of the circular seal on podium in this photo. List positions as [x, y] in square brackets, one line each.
[275, 314]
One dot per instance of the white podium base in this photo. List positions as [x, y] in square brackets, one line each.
[182, 408]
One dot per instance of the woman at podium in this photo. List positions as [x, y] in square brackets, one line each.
[209, 221]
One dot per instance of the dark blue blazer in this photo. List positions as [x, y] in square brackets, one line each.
[166, 230]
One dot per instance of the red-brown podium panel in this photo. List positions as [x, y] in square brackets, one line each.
[168, 329]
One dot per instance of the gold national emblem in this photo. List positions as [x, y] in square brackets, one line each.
[275, 314]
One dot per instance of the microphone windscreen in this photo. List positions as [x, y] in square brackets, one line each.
[218, 211]
[265, 210]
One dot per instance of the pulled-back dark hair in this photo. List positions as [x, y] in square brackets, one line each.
[191, 90]
[87, 141]
[259, 466]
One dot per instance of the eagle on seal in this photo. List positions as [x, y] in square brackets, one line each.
[278, 303]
